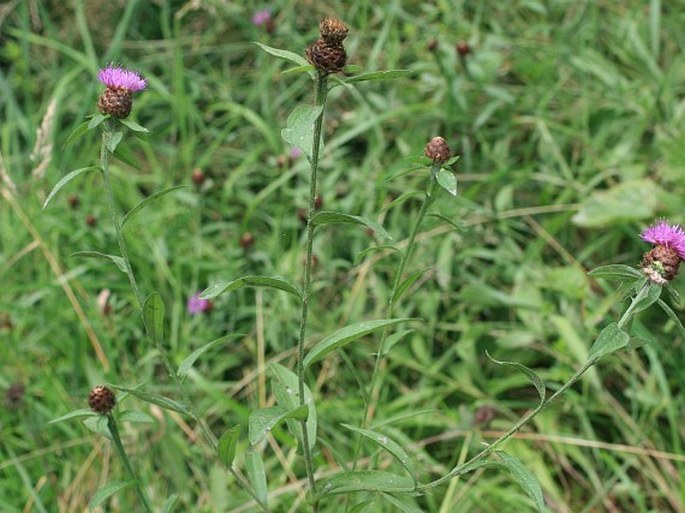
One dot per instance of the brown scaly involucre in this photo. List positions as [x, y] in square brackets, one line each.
[327, 53]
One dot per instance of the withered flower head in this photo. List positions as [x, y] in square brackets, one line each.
[333, 31]
[327, 53]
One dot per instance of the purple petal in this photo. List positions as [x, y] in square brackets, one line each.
[663, 234]
[120, 78]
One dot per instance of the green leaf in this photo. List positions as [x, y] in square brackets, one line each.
[366, 481]
[147, 201]
[286, 391]
[107, 491]
[68, 178]
[74, 415]
[672, 315]
[646, 297]
[117, 260]
[401, 503]
[619, 271]
[135, 416]
[408, 282]
[96, 120]
[447, 180]
[133, 126]
[254, 466]
[328, 217]
[274, 282]
[455, 225]
[284, 54]
[299, 130]
[169, 504]
[126, 155]
[675, 295]
[98, 424]
[401, 199]
[525, 478]
[379, 75]
[610, 340]
[227, 445]
[153, 317]
[534, 378]
[263, 420]
[346, 335]
[189, 361]
[389, 445]
[632, 200]
[159, 400]
[112, 140]
[394, 339]
[76, 134]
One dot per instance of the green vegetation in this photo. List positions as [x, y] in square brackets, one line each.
[569, 121]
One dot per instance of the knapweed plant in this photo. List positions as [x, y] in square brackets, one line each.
[389, 474]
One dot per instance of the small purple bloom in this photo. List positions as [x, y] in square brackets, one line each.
[120, 78]
[295, 153]
[197, 306]
[663, 234]
[261, 17]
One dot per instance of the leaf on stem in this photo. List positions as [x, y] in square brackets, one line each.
[153, 317]
[227, 445]
[329, 217]
[77, 133]
[389, 445]
[286, 391]
[74, 415]
[263, 420]
[274, 282]
[117, 260]
[366, 481]
[188, 362]
[284, 54]
[126, 155]
[112, 139]
[408, 282]
[611, 339]
[672, 315]
[64, 181]
[447, 180]
[133, 126]
[378, 75]
[96, 120]
[534, 378]
[147, 201]
[107, 491]
[254, 466]
[525, 478]
[617, 271]
[646, 298]
[134, 416]
[159, 400]
[299, 130]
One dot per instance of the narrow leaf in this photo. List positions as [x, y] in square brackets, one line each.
[263, 420]
[525, 478]
[68, 178]
[159, 400]
[401, 503]
[346, 335]
[132, 125]
[646, 297]
[153, 316]
[366, 480]
[328, 217]
[254, 466]
[112, 140]
[147, 201]
[274, 282]
[379, 75]
[107, 491]
[96, 120]
[620, 271]
[227, 445]
[287, 395]
[534, 378]
[447, 181]
[117, 260]
[284, 54]
[408, 282]
[389, 445]
[135, 416]
[672, 315]
[74, 415]
[299, 130]
[189, 361]
[126, 155]
[610, 340]
[76, 134]
[455, 225]
[169, 504]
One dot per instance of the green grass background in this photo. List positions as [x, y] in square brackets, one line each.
[569, 119]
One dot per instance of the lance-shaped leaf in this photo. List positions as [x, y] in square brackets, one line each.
[159, 400]
[112, 139]
[76, 134]
[96, 120]
[68, 178]
[286, 391]
[379, 75]
[646, 297]
[672, 315]
[284, 54]
[107, 491]
[447, 180]
[188, 362]
[525, 478]
[534, 378]
[299, 130]
[611, 339]
[389, 445]
[147, 201]
[366, 481]
[328, 217]
[227, 445]
[620, 271]
[74, 415]
[263, 420]
[254, 466]
[134, 416]
[408, 282]
[116, 260]
[274, 282]
[346, 335]
[153, 316]
[133, 126]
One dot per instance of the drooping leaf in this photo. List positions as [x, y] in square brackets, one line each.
[147, 201]
[64, 181]
[263, 420]
[189, 361]
[328, 217]
[117, 260]
[611, 339]
[286, 391]
[274, 282]
[284, 54]
[619, 271]
[346, 335]
[227, 445]
[366, 480]
[447, 180]
[454, 224]
[153, 315]
[133, 126]
[299, 130]
[525, 478]
[389, 445]
[379, 75]
[534, 378]
[107, 491]
[408, 282]
[74, 415]
[159, 400]
[254, 466]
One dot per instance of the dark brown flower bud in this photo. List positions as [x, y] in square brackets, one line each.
[101, 400]
[661, 264]
[73, 201]
[463, 48]
[437, 150]
[246, 240]
[198, 177]
[318, 202]
[325, 57]
[333, 31]
[91, 220]
[116, 101]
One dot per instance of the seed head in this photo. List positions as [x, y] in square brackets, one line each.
[117, 98]
[101, 400]
[437, 150]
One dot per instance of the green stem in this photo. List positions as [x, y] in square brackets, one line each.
[206, 431]
[119, 447]
[468, 465]
[320, 101]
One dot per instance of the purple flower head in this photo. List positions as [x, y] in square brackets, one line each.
[261, 17]
[120, 78]
[197, 306]
[669, 236]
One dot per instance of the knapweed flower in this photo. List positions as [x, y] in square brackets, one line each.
[661, 263]
[261, 17]
[101, 400]
[196, 305]
[327, 54]
[117, 99]
[437, 150]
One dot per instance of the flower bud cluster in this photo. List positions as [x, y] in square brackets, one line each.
[327, 53]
